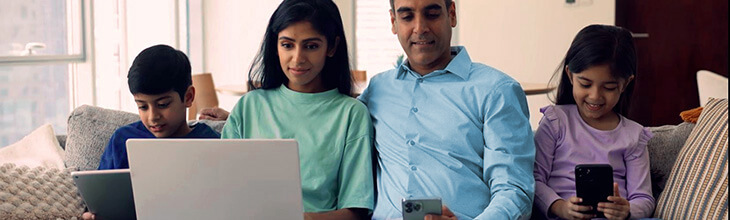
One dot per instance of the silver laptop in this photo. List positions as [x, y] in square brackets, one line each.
[215, 179]
[107, 193]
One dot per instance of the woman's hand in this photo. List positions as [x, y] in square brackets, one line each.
[570, 209]
[213, 114]
[618, 208]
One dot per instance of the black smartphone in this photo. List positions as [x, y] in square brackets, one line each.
[418, 208]
[594, 184]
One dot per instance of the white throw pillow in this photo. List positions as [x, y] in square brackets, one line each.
[39, 148]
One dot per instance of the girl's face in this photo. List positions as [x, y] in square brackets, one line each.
[302, 53]
[596, 92]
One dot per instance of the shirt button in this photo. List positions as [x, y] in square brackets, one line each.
[411, 142]
[413, 168]
[414, 109]
[419, 80]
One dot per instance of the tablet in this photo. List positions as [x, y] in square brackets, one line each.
[107, 193]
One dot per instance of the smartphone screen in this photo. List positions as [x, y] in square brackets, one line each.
[594, 184]
[419, 208]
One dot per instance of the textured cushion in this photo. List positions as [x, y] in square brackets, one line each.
[697, 185]
[38, 193]
[89, 130]
[663, 150]
[39, 148]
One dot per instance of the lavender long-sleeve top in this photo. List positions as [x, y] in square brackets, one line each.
[564, 140]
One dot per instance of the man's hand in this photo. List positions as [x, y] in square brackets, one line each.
[88, 216]
[618, 208]
[213, 114]
[445, 214]
[570, 209]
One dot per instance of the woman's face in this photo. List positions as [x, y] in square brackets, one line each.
[302, 54]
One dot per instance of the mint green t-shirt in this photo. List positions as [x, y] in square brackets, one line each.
[334, 133]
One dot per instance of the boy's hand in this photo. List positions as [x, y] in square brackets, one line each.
[213, 114]
[445, 214]
[88, 216]
[618, 208]
[570, 209]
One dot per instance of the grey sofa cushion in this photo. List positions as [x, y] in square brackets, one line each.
[89, 130]
[663, 149]
[62, 141]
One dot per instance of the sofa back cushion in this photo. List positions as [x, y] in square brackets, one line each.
[697, 186]
[663, 150]
[89, 130]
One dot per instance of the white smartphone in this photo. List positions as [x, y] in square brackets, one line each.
[418, 208]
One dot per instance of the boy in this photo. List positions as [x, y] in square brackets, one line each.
[161, 84]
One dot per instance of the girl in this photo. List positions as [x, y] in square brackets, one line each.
[586, 126]
[304, 94]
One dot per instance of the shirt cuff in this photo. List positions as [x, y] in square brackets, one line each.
[544, 197]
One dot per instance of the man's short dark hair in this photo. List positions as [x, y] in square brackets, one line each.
[446, 2]
[159, 69]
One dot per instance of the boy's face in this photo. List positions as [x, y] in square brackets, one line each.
[164, 114]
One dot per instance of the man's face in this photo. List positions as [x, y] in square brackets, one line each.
[164, 114]
[424, 31]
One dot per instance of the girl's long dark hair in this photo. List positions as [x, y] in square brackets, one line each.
[266, 73]
[597, 45]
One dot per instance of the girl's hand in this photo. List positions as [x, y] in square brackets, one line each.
[618, 208]
[570, 209]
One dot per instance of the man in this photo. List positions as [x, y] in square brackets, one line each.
[447, 127]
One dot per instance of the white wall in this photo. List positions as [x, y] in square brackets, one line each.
[526, 40]
[233, 31]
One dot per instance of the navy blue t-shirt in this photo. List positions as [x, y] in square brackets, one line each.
[115, 154]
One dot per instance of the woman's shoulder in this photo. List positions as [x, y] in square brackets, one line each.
[354, 104]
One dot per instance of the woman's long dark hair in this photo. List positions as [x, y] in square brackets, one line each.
[597, 45]
[266, 73]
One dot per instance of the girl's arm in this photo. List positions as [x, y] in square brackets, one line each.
[638, 179]
[545, 144]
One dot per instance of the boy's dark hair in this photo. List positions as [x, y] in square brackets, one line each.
[598, 45]
[325, 19]
[159, 69]
[446, 2]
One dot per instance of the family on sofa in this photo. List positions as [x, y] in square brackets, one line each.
[422, 109]
[437, 125]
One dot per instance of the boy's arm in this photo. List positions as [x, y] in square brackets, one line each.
[107, 158]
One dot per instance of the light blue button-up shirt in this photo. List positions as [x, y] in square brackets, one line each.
[461, 134]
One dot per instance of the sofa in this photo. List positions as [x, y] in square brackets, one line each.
[89, 129]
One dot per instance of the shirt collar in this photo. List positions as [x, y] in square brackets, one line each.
[459, 65]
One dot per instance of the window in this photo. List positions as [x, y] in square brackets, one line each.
[40, 43]
[378, 48]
